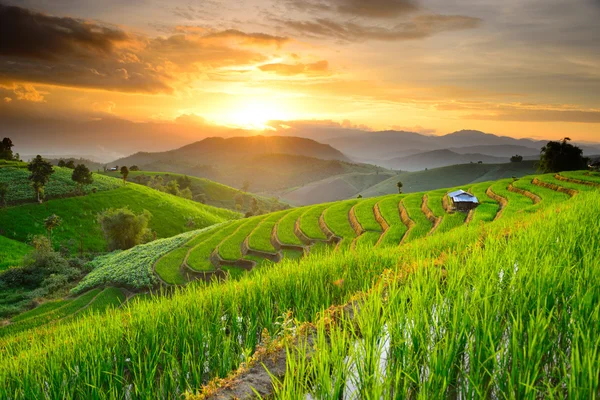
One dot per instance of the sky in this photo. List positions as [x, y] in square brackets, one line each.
[521, 68]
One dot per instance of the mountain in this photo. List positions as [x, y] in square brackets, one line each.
[377, 147]
[267, 163]
[439, 158]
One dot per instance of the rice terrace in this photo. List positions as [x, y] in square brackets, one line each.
[283, 199]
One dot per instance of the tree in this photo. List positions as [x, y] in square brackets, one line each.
[239, 200]
[82, 176]
[3, 192]
[125, 173]
[562, 156]
[70, 164]
[399, 185]
[123, 229]
[6, 152]
[359, 196]
[254, 206]
[246, 186]
[184, 182]
[186, 193]
[172, 188]
[40, 175]
[516, 158]
[52, 222]
[134, 168]
[61, 163]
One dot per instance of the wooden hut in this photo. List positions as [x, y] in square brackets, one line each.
[463, 201]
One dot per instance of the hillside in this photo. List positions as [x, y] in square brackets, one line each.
[265, 173]
[11, 252]
[439, 158]
[497, 286]
[207, 191]
[80, 231]
[60, 185]
[454, 175]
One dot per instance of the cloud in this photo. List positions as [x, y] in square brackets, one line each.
[358, 8]
[418, 27]
[537, 115]
[8, 100]
[24, 33]
[316, 68]
[24, 92]
[255, 38]
[104, 107]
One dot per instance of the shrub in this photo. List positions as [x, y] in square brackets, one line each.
[123, 229]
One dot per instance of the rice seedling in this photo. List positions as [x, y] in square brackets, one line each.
[260, 238]
[199, 256]
[517, 203]
[366, 216]
[285, 228]
[309, 222]
[337, 219]
[547, 195]
[231, 247]
[488, 208]
[435, 204]
[109, 298]
[391, 214]
[422, 226]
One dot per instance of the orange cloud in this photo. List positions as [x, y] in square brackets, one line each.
[316, 68]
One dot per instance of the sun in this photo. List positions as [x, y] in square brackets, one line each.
[255, 115]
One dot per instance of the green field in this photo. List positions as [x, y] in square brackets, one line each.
[285, 229]
[390, 212]
[497, 309]
[12, 252]
[171, 215]
[15, 174]
[488, 208]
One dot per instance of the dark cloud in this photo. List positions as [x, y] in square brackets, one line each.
[27, 34]
[317, 68]
[359, 8]
[418, 27]
[255, 38]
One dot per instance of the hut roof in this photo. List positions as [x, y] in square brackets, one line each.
[460, 196]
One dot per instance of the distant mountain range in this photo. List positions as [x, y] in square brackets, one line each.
[413, 151]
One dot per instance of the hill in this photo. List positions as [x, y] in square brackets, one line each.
[209, 192]
[265, 173]
[454, 175]
[439, 158]
[502, 295]
[80, 231]
[377, 147]
[15, 174]
[11, 252]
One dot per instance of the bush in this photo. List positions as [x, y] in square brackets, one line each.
[123, 229]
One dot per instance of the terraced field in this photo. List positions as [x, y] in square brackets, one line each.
[237, 247]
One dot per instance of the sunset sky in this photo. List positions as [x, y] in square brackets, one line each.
[519, 68]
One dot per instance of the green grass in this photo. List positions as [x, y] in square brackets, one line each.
[496, 326]
[170, 216]
[336, 218]
[12, 252]
[451, 176]
[168, 267]
[260, 238]
[391, 213]
[517, 203]
[365, 215]
[309, 222]
[422, 225]
[199, 258]
[583, 175]
[109, 298]
[547, 195]
[449, 221]
[211, 192]
[60, 184]
[285, 230]
[502, 307]
[44, 308]
[231, 247]
[131, 268]
[488, 208]
[549, 178]
[53, 315]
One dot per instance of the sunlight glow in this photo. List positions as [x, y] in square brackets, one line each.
[254, 115]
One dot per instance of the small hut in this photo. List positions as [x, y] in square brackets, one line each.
[463, 201]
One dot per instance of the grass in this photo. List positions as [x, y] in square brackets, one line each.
[435, 204]
[52, 315]
[422, 225]
[211, 192]
[109, 298]
[502, 308]
[549, 178]
[388, 207]
[130, 268]
[231, 247]
[365, 215]
[496, 326]
[547, 195]
[517, 203]
[309, 222]
[451, 176]
[285, 230]
[12, 252]
[488, 208]
[336, 218]
[80, 230]
[199, 258]
[583, 175]
[44, 308]
[260, 238]
[60, 183]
